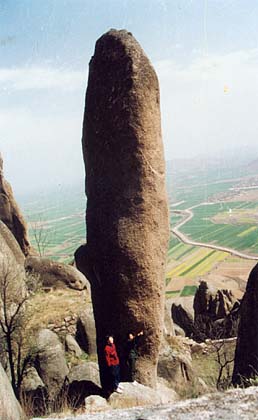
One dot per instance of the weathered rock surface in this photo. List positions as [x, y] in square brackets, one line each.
[213, 302]
[127, 211]
[183, 319]
[10, 213]
[175, 365]
[50, 362]
[83, 381]
[96, 403]
[246, 355]
[72, 346]
[168, 328]
[86, 331]
[55, 274]
[86, 371]
[10, 246]
[139, 395]
[10, 409]
[231, 405]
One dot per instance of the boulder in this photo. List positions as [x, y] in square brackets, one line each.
[11, 215]
[139, 395]
[55, 274]
[85, 371]
[10, 408]
[175, 365]
[83, 381]
[96, 404]
[50, 362]
[246, 354]
[127, 208]
[86, 331]
[72, 346]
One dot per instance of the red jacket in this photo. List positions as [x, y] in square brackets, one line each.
[111, 355]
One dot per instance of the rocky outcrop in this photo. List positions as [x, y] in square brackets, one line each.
[127, 211]
[213, 302]
[246, 354]
[10, 213]
[86, 331]
[9, 407]
[50, 362]
[55, 274]
[216, 314]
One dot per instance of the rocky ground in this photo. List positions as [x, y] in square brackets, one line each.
[231, 405]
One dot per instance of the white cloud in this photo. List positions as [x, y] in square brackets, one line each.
[34, 78]
[210, 103]
[40, 150]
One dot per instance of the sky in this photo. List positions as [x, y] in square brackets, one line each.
[205, 53]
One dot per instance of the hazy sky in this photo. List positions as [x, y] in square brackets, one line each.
[204, 51]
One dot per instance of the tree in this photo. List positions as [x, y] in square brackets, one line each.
[13, 297]
[40, 236]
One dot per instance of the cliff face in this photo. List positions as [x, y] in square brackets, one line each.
[10, 213]
[127, 211]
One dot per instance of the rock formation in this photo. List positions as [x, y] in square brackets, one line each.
[246, 354]
[213, 302]
[127, 211]
[216, 314]
[10, 213]
[50, 362]
[55, 274]
[10, 409]
[86, 331]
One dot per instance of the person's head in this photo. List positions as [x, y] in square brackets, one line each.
[130, 336]
[110, 339]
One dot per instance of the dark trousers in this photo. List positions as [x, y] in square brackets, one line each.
[114, 377]
[131, 369]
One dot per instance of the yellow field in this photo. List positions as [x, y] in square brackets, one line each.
[199, 263]
[247, 231]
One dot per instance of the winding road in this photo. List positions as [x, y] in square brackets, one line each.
[182, 237]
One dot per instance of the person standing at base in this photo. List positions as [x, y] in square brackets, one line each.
[112, 361]
[132, 354]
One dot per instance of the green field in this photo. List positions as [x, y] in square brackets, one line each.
[240, 236]
[59, 218]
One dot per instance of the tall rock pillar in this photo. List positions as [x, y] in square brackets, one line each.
[246, 354]
[127, 212]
